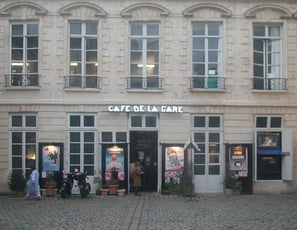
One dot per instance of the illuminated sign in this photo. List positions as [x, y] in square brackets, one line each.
[145, 108]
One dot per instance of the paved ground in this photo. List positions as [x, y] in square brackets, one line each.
[151, 211]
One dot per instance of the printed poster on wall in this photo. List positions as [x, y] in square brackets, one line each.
[174, 164]
[51, 158]
[115, 164]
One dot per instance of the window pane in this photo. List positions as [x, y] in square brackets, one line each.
[16, 137]
[198, 43]
[198, 29]
[75, 28]
[214, 148]
[150, 121]
[199, 137]
[213, 43]
[89, 121]
[89, 148]
[89, 137]
[259, 30]
[199, 159]
[136, 44]
[17, 30]
[17, 42]
[153, 29]
[74, 148]
[30, 121]
[91, 56]
[261, 122]
[74, 137]
[32, 29]
[136, 121]
[16, 121]
[89, 170]
[91, 28]
[214, 159]
[153, 44]
[214, 29]
[136, 29]
[276, 122]
[16, 150]
[199, 121]
[75, 43]
[74, 121]
[30, 137]
[214, 169]
[269, 167]
[74, 159]
[91, 44]
[199, 169]
[214, 122]
[88, 159]
[106, 136]
[121, 137]
[214, 137]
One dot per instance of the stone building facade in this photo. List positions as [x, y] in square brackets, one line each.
[88, 77]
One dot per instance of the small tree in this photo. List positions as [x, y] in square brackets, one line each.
[17, 181]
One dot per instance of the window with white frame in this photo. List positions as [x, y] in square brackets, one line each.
[144, 56]
[207, 134]
[114, 137]
[23, 136]
[207, 55]
[143, 121]
[267, 57]
[23, 55]
[83, 52]
[82, 142]
[268, 147]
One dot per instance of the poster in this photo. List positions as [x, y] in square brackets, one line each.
[115, 163]
[174, 164]
[51, 158]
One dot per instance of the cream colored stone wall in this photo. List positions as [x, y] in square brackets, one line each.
[238, 103]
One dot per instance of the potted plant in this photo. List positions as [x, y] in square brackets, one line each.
[113, 186]
[17, 182]
[104, 190]
[50, 185]
[232, 184]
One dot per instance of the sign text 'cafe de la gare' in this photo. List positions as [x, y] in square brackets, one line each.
[145, 108]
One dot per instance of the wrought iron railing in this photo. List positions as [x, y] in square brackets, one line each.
[79, 81]
[207, 82]
[22, 80]
[260, 83]
[148, 83]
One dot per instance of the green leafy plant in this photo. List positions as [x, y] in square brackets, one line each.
[17, 180]
[231, 181]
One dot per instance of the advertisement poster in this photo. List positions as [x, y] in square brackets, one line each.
[174, 164]
[51, 158]
[115, 164]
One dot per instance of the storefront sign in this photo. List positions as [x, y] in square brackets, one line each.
[145, 108]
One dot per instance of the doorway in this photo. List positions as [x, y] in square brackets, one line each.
[144, 148]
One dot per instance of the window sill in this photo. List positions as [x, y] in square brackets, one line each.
[22, 88]
[269, 91]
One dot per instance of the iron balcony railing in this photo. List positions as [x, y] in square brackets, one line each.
[210, 82]
[261, 83]
[148, 83]
[22, 80]
[79, 81]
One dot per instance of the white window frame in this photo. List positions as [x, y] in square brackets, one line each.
[82, 76]
[143, 120]
[82, 130]
[113, 137]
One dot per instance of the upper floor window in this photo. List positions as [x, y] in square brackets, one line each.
[23, 55]
[143, 121]
[207, 55]
[144, 56]
[267, 54]
[83, 52]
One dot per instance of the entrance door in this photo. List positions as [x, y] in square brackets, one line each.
[144, 148]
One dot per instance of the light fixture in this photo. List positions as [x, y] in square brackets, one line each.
[73, 64]
[147, 65]
[115, 150]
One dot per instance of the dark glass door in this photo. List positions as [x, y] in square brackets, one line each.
[144, 148]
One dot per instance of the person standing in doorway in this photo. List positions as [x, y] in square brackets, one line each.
[137, 172]
[33, 188]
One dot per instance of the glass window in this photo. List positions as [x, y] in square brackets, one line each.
[23, 133]
[82, 144]
[83, 52]
[206, 55]
[143, 121]
[24, 55]
[207, 135]
[267, 57]
[106, 136]
[144, 55]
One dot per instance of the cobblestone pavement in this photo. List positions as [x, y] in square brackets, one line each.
[151, 211]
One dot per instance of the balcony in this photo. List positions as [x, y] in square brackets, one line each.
[149, 83]
[21, 80]
[260, 83]
[82, 82]
[209, 83]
